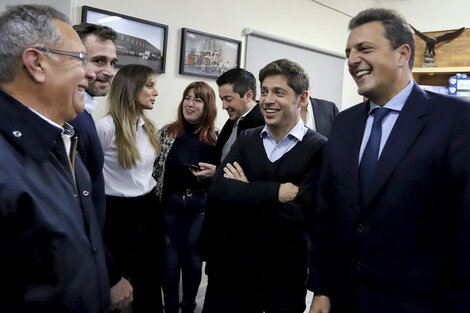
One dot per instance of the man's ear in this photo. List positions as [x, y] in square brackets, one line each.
[34, 63]
[303, 98]
[404, 55]
[249, 95]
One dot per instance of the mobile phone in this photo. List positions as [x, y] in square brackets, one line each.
[193, 166]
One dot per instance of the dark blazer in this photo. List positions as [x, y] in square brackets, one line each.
[324, 113]
[90, 151]
[251, 120]
[92, 155]
[407, 248]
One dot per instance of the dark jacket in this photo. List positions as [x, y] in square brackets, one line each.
[91, 153]
[324, 113]
[51, 251]
[253, 119]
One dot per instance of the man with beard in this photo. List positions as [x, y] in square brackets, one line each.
[99, 44]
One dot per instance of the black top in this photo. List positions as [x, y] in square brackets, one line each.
[186, 149]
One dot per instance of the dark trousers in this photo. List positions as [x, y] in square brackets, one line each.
[133, 234]
[368, 296]
[245, 293]
[182, 219]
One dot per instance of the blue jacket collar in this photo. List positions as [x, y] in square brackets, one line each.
[25, 129]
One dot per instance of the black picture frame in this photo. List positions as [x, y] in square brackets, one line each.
[138, 41]
[207, 55]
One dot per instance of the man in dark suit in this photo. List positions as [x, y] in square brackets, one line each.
[318, 114]
[323, 113]
[237, 90]
[394, 210]
[99, 44]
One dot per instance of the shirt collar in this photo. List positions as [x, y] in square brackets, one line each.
[140, 121]
[90, 102]
[298, 131]
[242, 117]
[397, 102]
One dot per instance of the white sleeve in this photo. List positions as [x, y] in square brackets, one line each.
[105, 129]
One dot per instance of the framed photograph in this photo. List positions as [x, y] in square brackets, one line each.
[207, 55]
[138, 41]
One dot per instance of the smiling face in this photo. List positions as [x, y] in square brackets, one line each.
[193, 108]
[235, 105]
[66, 77]
[146, 97]
[377, 69]
[101, 60]
[280, 105]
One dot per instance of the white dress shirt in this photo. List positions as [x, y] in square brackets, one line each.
[121, 182]
[90, 102]
[310, 118]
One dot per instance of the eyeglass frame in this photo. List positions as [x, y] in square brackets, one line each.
[77, 55]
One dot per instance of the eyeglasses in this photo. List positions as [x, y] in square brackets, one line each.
[77, 55]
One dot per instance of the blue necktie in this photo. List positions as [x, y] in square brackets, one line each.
[371, 152]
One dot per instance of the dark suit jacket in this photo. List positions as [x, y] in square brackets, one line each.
[91, 153]
[324, 113]
[251, 120]
[407, 248]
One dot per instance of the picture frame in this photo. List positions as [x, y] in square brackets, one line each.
[207, 55]
[138, 41]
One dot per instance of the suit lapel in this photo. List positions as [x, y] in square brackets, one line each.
[404, 133]
[317, 115]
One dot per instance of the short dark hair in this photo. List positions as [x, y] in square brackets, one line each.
[296, 77]
[102, 32]
[397, 30]
[241, 79]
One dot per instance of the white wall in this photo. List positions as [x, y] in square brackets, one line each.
[301, 20]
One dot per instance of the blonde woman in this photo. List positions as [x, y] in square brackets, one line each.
[130, 145]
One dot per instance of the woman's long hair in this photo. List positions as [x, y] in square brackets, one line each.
[123, 108]
[205, 128]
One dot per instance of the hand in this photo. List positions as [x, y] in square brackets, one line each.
[320, 304]
[206, 172]
[287, 192]
[122, 294]
[235, 171]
